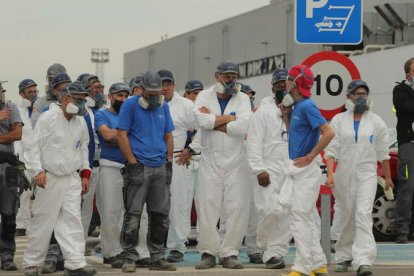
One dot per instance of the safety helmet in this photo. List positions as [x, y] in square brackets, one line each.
[353, 85]
[55, 69]
[118, 87]
[60, 78]
[193, 85]
[25, 84]
[151, 81]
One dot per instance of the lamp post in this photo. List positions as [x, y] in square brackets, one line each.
[99, 56]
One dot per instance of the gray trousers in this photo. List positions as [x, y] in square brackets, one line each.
[405, 174]
[145, 185]
[7, 240]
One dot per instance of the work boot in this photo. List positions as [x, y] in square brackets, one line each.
[20, 232]
[364, 270]
[402, 238]
[232, 263]
[256, 258]
[207, 261]
[129, 266]
[31, 271]
[322, 271]
[8, 265]
[175, 256]
[275, 263]
[343, 266]
[83, 271]
[143, 262]
[117, 261]
[162, 265]
[49, 267]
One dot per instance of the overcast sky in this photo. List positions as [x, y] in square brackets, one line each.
[36, 33]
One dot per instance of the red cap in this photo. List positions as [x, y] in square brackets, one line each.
[303, 76]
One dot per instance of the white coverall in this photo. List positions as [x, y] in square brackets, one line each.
[60, 148]
[356, 182]
[267, 151]
[267, 100]
[23, 215]
[223, 178]
[182, 189]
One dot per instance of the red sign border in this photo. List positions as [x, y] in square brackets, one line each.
[343, 60]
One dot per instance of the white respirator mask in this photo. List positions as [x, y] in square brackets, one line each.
[288, 100]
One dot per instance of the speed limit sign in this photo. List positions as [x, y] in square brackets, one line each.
[333, 71]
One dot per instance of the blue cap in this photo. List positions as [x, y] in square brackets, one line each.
[193, 85]
[118, 87]
[72, 88]
[280, 75]
[151, 81]
[245, 88]
[26, 83]
[166, 75]
[135, 82]
[88, 80]
[227, 67]
[60, 78]
[353, 85]
[81, 77]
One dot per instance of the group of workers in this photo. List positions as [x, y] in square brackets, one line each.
[149, 152]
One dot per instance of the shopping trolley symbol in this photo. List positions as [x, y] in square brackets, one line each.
[335, 24]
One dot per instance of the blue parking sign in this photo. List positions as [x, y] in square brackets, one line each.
[328, 21]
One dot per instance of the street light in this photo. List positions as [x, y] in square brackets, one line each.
[99, 56]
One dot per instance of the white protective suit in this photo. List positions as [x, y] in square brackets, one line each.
[267, 100]
[223, 178]
[23, 215]
[356, 182]
[182, 190]
[267, 151]
[60, 148]
[87, 204]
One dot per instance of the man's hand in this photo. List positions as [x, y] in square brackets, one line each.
[5, 114]
[330, 181]
[85, 185]
[285, 110]
[40, 179]
[263, 179]
[204, 110]
[388, 183]
[222, 128]
[182, 157]
[302, 161]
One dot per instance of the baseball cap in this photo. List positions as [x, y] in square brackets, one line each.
[26, 83]
[193, 85]
[151, 81]
[118, 87]
[60, 78]
[166, 75]
[227, 67]
[281, 75]
[353, 85]
[245, 88]
[303, 77]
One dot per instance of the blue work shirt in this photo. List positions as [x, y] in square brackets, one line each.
[146, 129]
[91, 145]
[223, 103]
[304, 134]
[113, 153]
[356, 127]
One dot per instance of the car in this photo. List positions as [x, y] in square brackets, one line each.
[326, 23]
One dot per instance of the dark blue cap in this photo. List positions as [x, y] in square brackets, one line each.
[26, 83]
[227, 67]
[280, 75]
[118, 87]
[60, 78]
[277, 70]
[166, 75]
[73, 88]
[193, 85]
[88, 80]
[353, 85]
[151, 81]
[135, 82]
[81, 77]
[245, 88]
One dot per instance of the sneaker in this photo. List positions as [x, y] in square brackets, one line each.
[256, 258]
[117, 261]
[343, 266]
[162, 265]
[402, 238]
[83, 271]
[207, 261]
[129, 266]
[8, 265]
[295, 273]
[275, 263]
[232, 263]
[20, 232]
[143, 262]
[175, 256]
[322, 271]
[98, 248]
[31, 271]
[364, 270]
[49, 267]
[88, 252]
